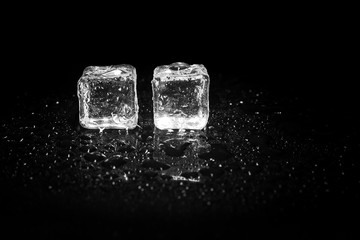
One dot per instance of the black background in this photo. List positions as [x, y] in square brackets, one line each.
[306, 49]
[292, 51]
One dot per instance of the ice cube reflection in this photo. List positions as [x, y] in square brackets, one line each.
[117, 147]
[126, 154]
[180, 150]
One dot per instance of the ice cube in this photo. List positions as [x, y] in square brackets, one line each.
[107, 97]
[181, 96]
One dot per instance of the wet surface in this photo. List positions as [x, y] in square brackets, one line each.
[262, 159]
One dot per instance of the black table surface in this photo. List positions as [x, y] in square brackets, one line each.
[276, 159]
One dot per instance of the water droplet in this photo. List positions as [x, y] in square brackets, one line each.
[101, 129]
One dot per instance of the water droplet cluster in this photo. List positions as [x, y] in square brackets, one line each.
[248, 159]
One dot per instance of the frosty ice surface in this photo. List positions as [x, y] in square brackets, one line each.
[107, 97]
[181, 96]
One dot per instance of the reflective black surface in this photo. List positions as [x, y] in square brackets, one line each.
[266, 160]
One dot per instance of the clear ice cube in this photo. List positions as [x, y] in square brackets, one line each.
[107, 97]
[181, 96]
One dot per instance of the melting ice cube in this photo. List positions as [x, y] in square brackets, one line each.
[107, 97]
[181, 96]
